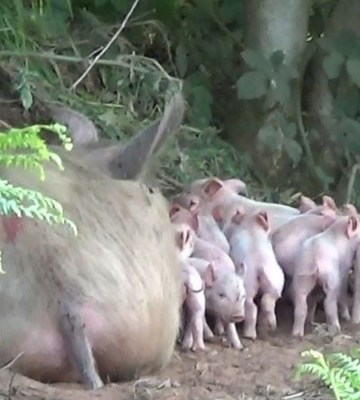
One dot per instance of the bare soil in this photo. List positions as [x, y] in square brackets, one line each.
[263, 370]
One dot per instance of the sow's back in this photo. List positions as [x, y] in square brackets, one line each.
[104, 304]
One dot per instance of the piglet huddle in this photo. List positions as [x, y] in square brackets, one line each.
[233, 250]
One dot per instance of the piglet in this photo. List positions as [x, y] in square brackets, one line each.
[220, 260]
[248, 235]
[215, 194]
[325, 260]
[287, 240]
[225, 296]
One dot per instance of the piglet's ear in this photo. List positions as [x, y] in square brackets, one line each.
[352, 227]
[328, 212]
[263, 219]
[329, 202]
[175, 208]
[209, 277]
[211, 187]
[306, 204]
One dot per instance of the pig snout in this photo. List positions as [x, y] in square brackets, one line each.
[237, 318]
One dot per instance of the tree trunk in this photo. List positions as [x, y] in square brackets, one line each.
[320, 103]
[271, 26]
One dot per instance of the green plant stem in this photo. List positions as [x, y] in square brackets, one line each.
[350, 186]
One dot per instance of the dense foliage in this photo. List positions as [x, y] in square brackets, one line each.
[202, 44]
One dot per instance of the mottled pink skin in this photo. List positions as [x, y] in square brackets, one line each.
[225, 296]
[249, 238]
[288, 239]
[325, 260]
[194, 305]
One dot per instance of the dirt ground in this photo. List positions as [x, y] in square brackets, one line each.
[263, 370]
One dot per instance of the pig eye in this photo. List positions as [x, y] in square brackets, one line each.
[221, 295]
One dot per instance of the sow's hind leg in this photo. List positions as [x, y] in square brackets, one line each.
[73, 330]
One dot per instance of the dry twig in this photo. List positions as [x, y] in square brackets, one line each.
[122, 26]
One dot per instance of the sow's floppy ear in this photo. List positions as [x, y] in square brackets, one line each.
[131, 161]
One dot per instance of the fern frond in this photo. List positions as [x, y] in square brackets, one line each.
[340, 372]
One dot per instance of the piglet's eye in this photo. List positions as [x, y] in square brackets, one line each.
[221, 294]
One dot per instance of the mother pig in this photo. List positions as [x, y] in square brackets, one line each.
[105, 304]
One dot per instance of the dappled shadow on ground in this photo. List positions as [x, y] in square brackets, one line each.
[263, 370]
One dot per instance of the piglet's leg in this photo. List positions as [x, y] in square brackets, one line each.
[219, 327]
[197, 324]
[301, 287]
[250, 319]
[312, 304]
[268, 303]
[232, 336]
[79, 347]
[208, 333]
[331, 309]
[343, 300]
[188, 339]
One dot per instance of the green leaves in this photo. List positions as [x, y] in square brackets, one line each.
[281, 134]
[19, 201]
[269, 76]
[181, 60]
[353, 69]
[252, 85]
[256, 60]
[332, 64]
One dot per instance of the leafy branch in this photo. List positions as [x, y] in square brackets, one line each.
[19, 201]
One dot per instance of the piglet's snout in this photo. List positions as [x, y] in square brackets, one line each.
[236, 318]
